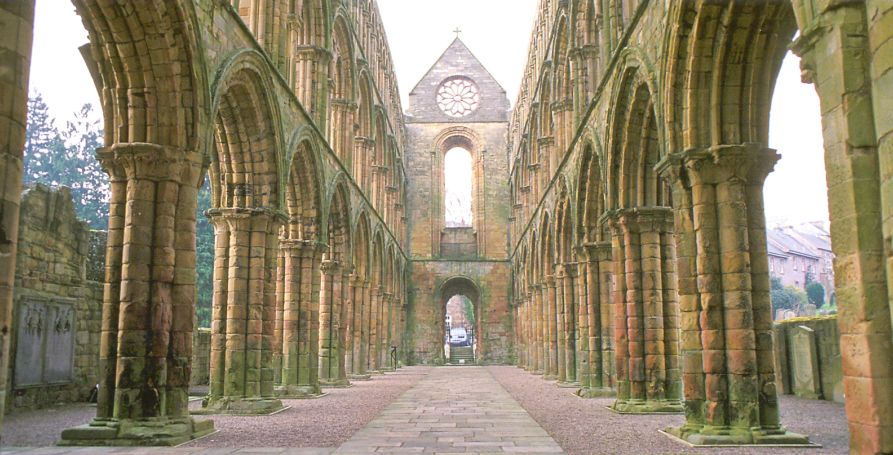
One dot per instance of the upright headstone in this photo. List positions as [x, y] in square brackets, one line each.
[805, 374]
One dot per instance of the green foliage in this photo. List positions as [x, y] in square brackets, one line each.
[468, 308]
[785, 297]
[67, 158]
[815, 292]
[204, 258]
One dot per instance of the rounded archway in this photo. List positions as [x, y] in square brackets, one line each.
[459, 310]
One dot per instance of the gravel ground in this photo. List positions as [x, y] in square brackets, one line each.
[321, 422]
[585, 426]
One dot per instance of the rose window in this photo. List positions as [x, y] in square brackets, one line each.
[458, 96]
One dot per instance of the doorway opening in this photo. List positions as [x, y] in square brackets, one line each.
[460, 334]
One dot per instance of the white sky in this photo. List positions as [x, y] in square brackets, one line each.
[457, 183]
[498, 33]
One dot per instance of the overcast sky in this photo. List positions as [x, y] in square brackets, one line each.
[498, 33]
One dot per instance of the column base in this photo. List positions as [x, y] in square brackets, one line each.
[568, 384]
[707, 435]
[360, 377]
[342, 383]
[240, 406]
[536, 372]
[160, 431]
[596, 392]
[634, 406]
[298, 391]
[550, 376]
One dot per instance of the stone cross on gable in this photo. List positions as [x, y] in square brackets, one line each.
[457, 31]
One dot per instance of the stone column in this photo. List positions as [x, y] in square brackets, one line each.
[385, 325]
[727, 346]
[570, 324]
[521, 330]
[329, 319]
[148, 303]
[242, 328]
[300, 319]
[598, 300]
[341, 129]
[560, 327]
[551, 304]
[536, 318]
[374, 315]
[310, 75]
[17, 17]
[845, 52]
[363, 147]
[280, 310]
[646, 322]
[360, 341]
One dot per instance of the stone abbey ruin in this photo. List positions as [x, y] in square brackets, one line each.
[617, 242]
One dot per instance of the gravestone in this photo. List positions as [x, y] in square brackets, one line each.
[805, 378]
[44, 343]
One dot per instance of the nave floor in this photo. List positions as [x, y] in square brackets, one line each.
[436, 410]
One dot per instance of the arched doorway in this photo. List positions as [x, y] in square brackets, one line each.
[459, 311]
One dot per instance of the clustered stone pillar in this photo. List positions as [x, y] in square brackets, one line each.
[538, 318]
[560, 327]
[148, 300]
[242, 327]
[386, 307]
[550, 367]
[360, 289]
[331, 299]
[300, 325]
[568, 299]
[17, 17]
[646, 321]
[311, 66]
[597, 381]
[374, 315]
[730, 390]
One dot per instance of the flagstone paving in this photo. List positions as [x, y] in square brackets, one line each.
[449, 410]
[453, 410]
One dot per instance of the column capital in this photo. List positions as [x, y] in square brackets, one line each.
[342, 103]
[549, 281]
[329, 267]
[364, 141]
[259, 218]
[545, 141]
[309, 52]
[153, 162]
[298, 244]
[639, 219]
[748, 163]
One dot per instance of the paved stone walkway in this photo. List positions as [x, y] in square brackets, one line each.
[453, 410]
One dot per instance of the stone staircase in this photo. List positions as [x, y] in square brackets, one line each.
[461, 355]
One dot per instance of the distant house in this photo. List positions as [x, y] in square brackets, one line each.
[797, 251]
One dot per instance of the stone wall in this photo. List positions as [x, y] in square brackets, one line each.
[201, 356]
[56, 323]
[433, 283]
[807, 358]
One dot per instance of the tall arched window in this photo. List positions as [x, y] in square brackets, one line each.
[457, 188]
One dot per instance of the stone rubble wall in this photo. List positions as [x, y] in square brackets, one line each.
[58, 259]
[797, 366]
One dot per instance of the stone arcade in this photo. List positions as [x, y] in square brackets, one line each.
[629, 173]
